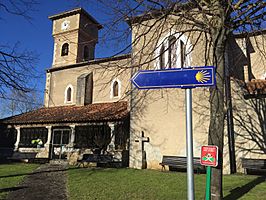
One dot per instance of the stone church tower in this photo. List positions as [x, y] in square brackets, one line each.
[75, 35]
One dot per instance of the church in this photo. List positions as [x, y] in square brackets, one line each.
[91, 106]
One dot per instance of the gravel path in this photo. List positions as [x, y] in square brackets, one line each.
[48, 182]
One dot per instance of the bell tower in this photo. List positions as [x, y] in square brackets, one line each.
[75, 34]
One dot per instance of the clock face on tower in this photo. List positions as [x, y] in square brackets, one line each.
[65, 25]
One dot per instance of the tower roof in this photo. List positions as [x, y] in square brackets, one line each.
[73, 12]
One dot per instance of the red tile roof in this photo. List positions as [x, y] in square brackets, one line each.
[256, 88]
[97, 112]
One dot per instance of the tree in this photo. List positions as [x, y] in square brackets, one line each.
[19, 102]
[21, 8]
[216, 21]
[17, 71]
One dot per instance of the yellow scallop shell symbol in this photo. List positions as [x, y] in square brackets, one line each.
[203, 76]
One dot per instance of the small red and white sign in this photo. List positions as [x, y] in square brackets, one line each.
[209, 156]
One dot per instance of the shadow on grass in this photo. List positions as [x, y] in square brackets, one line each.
[11, 189]
[238, 192]
[52, 170]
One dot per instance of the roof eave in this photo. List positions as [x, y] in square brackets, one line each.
[75, 11]
[90, 62]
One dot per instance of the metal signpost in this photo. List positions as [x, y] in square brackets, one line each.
[209, 158]
[189, 146]
[186, 78]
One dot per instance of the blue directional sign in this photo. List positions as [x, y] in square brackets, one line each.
[175, 78]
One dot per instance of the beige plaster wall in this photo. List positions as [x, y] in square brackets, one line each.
[249, 117]
[70, 36]
[72, 39]
[147, 36]
[73, 24]
[160, 114]
[257, 55]
[258, 58]
[80, 32]
[103, 75]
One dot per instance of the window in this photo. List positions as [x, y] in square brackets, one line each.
[172, 51]
[93, 136]
[182, 53]
[162, 57]
[122, 136]
[65, 48]
[86, 53]
[115, 88]
[69, 94]
[84, 137]
[8, 137]
[27, 135]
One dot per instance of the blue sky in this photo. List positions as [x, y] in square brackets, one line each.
[36, 34]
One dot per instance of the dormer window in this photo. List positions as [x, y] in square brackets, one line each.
[69, 94]
[115, 88]
[65, 49]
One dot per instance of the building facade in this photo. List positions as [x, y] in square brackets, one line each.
[85, 108]
[90, 105]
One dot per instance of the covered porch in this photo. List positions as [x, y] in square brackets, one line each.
[68, 132]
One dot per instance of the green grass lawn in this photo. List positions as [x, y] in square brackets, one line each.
[124, 184]
[12, 174]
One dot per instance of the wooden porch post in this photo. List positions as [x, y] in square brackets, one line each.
[49, 136]
[18, 137]
[111, 146]
[72, 135]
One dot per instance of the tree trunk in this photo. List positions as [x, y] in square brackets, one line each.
[217, 114]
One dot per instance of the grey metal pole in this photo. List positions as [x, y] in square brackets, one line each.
[190, 172]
